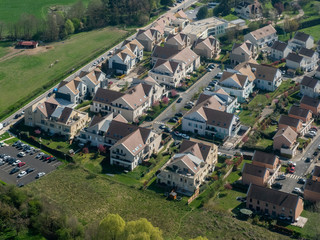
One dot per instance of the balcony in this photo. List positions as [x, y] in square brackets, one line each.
[118, 153]
[117, 158]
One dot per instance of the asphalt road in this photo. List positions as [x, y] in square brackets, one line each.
[11, 119]
[30, 160]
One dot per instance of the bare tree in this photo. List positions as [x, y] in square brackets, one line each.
[2, 28]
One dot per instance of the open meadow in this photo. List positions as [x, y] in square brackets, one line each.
[25, 74]
[10, 11]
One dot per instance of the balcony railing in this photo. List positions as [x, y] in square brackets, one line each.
[118, 153]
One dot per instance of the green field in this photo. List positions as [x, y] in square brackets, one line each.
[25, 76]
[11, 10]
[92, 197]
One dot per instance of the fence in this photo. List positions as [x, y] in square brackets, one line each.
[194, 196]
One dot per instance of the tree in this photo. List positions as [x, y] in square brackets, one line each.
[279, 7]
[111, 227]
[77, 10]
[141, 229]
[200, 238]
[2, 26]
[167, 2]
[202, 13]
[69, 27]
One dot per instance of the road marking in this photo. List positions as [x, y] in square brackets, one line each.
[293, 176]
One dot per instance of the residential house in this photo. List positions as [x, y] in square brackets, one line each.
[235, 84]
[303, 114]
[206, 120]
[285, 141]
[246, 69]
[316, 173]
[168, 72]
[267, 160]
[312, 104]
[177, 41]
[310, 59]
[274, 203]
[310, 87]
[262, 36]
[186, 56]
[249, 10]
[295, 123]
[149, 38]
[208, 47]
[295, 61]
[317, 73]
[267, 78]
[125, 58]
[187, 170]
[230, 103]
[318, 46]
[312, 190]
[73, 91]
[130, 105]
[243, 52]
[53, 118]
[255, 174]
[301, 40]
[279, 50]
[92, 80]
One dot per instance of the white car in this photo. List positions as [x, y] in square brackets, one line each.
[16, 162]
[319, 147]
[313, 133]
[21, 154]
[297, 190]
[40, 174]
[21, 174]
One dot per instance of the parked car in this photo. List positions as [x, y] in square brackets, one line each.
[312, 133]
[168, 130]
[21, 164]
[277, 185]
[188, 106]
[318, 147]
[173, 119]
[185, 136]
[21, 154]
[21, 174]
[40, 174]
[52, 159]
[314, 129]
[16, 143]
[308, 135]
[297, 190]
[315, 153]
[48, 158]
[14, 170]
[20, 185]
[292, 170]
[281, 177]
[162, 126]
[179, 100]
[179, 114]
[39, 155]
[302, 181]
[177, 134]
[308, 160]
[29, 170]
[241, 199]
[16, 162]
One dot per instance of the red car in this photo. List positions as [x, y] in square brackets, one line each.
[48, 158]
[291, 170]
[20, 164]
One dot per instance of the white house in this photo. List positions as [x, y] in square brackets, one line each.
[301, 40]
[279, 50]
[125, 58]
[249, 10]
[230, 103]
[317, 74]
[310, 58]
[235, 84]
[310, 87]
[267, 78]
[262, 36]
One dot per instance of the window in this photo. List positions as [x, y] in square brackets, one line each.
[250, 199]
[266, 204]
[258, 202]
[168, 175]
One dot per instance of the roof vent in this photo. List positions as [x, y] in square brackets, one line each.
[253, 69]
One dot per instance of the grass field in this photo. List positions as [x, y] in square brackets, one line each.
[10, 11]
[25, 76]
[92, 197]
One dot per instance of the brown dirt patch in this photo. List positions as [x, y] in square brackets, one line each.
[13, 52]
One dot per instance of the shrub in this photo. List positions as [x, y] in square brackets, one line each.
[228, 186]
[85, 150]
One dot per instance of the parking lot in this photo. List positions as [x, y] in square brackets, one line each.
[31, 162]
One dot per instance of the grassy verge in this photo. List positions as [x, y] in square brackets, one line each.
[4, 136]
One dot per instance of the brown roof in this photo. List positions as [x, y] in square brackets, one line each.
[209, 42]
[106, 96]
[306, 52]
[199, 150]
[187, 161]
[65, 115]
[294, 57]
[313, 186]
[275, 197]
[313, 102]
[289, 121]
[254, 170]
[209, 102]
[218, 118]
[181, 14]
[264, 72]
[279, 46]
[288, 133]
[309, 82]
[186, 55]
[172, 66]
[316, 171]
[298, 111]
[263, 32]
[301, 36]
[95, 120]
[238, 78]
[48, 107]
[164, 52]
[137, 95]
[263, 157]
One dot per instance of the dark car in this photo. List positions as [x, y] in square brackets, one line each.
[302, 181]
[29, 170]
[52, 159]
[179, 114]
[188, 106]
[315, 153]
[174, 120]
[20, 184]
[308, 159]
[179, 100]
[277, 185]
[44, 157]
[14, 170]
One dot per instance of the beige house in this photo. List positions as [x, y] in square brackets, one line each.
[187, 170]
[130, 105]
[50, 116]
[149, 38]
[243, 52]
[285, 141]
[177, 41]
[275, 203]
[208, 47]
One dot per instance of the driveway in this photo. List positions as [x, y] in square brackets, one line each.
[31, 162]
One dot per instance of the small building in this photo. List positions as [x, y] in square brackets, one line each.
[310, 58]
[243, 52]
[301, 40]
[310, 103]
[27, 44]
[317, 74]
[285, 141]
[279, 50]
[249, 9]
[262, 36]
[275, 203]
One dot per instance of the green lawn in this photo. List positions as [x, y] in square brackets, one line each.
[248, 117]
[264, 143]
[313, 31]
[4, 48]
[230, 17]
[10, 11]
[4, 136]
[93, 197]
[24, 77]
